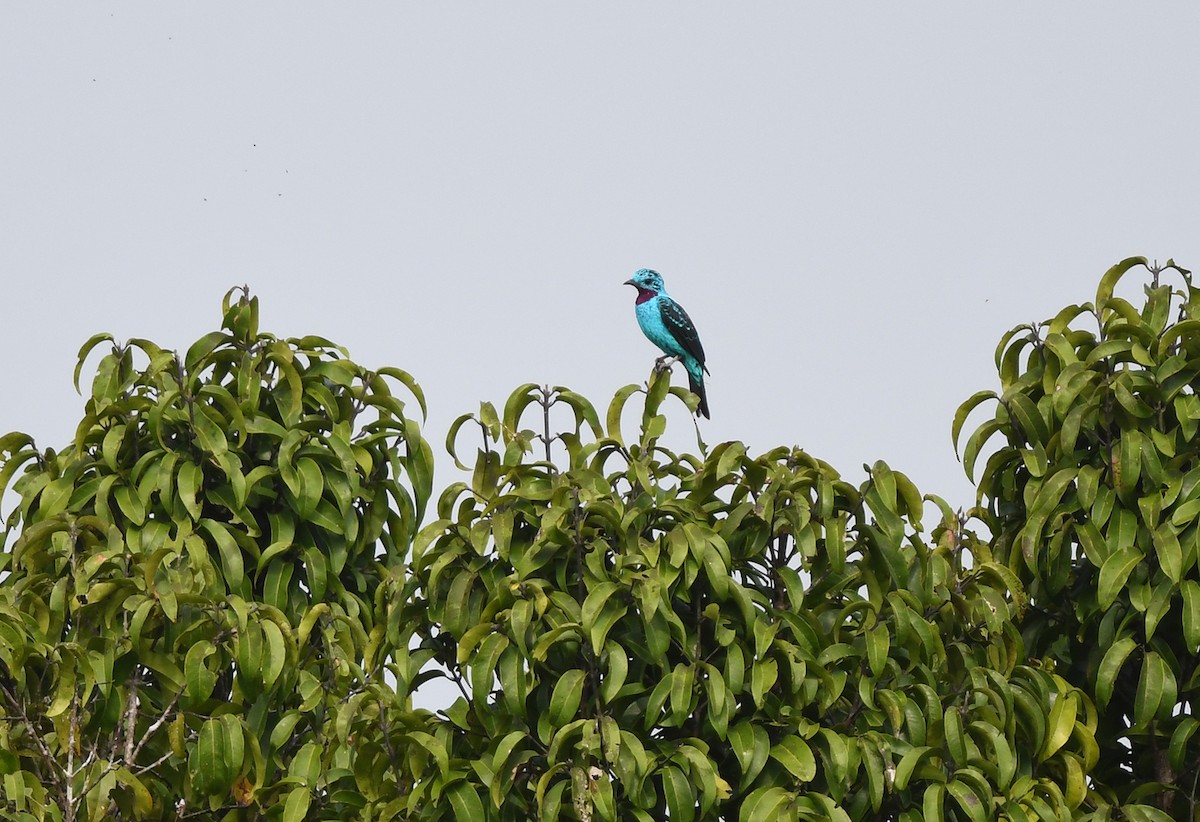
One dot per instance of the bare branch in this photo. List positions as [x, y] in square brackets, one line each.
[91, 783]
[131, 712]
[72, 736]
[20, 709]
[153, 764]
[154, 726]
[208, 813]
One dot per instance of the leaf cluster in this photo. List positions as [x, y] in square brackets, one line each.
[643, 635]
[1093, 497]
[203, 579]
[220, 599]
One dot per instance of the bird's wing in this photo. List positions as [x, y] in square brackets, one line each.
[680, 325]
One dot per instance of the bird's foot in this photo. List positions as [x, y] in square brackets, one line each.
[664, 363]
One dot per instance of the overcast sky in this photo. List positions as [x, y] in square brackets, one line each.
[853, 201]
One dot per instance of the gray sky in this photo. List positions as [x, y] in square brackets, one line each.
[853, 201]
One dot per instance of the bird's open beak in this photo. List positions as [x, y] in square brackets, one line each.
[630, 282]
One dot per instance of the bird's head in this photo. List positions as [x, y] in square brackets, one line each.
[647, 282]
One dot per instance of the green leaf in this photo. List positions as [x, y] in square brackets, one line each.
[612, 613]
[231, 554]
[130, 504]
[908, 764]
[200, 680]
[250, 653]
[64, 691]
[764, 805]
[976, 442]
[1061, 723]
[1048, 497]
[143, 802]
[1185, 330]
[964, 410]
[289, 392]
[466, 802]
[190, 478]
[596, 599]
[933, 803]
[793, 753]
[1160, 602]
[874, 770]
[617, 671]
[1127, 462]
[275, 649]
[763, 676]
[86, 349]
[435, 747]
[9, 466]
[235, 744]
[514, 407]
[1150, 690]
[1190, 589]
[751, 747]
[1170, 554]
[1115, 572]
[408, 382]
[295, 807]
[202, 347]
[1109, 281]
[452, 437]
[552, 637]
[1187, 513]
[309, 621]
[836, 754]
[209, 765]
[111, 446]
[683, 679]
[1026, 414]
[54, 497]
[969, 801]
[955, 739]
[678, 791]
[585, 412]
[306, 765]
[1179, 741]
[312, 484]
[1144, 813]
[505, 748]
[209, 432]
[1110, 666]
[564, 702]
[615, 409]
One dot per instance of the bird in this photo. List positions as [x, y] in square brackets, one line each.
[667, 325]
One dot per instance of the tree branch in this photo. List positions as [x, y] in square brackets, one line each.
[158, 723]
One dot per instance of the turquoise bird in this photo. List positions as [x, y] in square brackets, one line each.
[667, 325]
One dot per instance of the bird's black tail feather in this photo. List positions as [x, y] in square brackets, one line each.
[698, 389]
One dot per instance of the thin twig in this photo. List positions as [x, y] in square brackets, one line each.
[158, 723]
[387, 742]
[41, 743]
[92, 783]
[546, 419]
[154, 764]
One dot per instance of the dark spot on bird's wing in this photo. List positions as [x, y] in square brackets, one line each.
[682, 329]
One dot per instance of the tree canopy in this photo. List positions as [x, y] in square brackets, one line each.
[218, 600]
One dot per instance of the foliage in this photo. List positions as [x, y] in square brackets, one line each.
[226, 591]
[202, 581]
[1092, 499]
[646, 634]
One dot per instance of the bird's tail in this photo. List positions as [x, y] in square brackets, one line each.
[697, 386]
